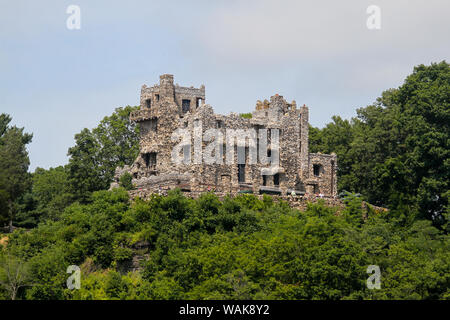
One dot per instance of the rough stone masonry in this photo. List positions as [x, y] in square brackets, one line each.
[166, 108]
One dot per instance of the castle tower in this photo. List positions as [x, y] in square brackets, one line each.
[166, 88]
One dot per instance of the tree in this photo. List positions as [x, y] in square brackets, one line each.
[14, 274]
[126, 181]
[396, 152]
[97, 153]
[48, 197]
[14, 162]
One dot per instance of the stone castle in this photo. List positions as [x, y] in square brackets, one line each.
[166, 108]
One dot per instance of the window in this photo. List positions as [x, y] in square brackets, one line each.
[219, 124]
[157, 97]
[316, 189]
[153, 124]
[198, 102]
[185, 105]
[264, 180]
[276, 179]
[224, 153]
[241, 172]
[150, 159]
[316, 169]
[148, 103]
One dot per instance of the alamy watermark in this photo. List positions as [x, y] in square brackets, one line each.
[74, 281]
[374, 20]
[73, 22]
[249, 144]
[374, 281]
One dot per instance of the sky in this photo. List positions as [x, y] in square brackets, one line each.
[55, 81]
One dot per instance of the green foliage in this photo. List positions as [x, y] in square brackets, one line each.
[47, 199]
[125, 181]
[115, 287]
[246, 115]
[97, 153]
[14, 275]
[238, 248]
[396, 152]
[14, 162]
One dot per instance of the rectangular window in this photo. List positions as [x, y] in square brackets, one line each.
[316, 189]
[153, 124]
[264, 180]
[157, 97]
[276, 179]
[148, 103]
[185, 105]
[316, 169]
[153, 159]
[150, 160]
[241, 172]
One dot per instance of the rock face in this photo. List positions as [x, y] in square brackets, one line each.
[176, 122]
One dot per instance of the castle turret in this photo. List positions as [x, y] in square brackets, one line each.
[166, 88]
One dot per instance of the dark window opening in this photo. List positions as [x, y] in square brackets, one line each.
[157, 97]
[185, 105]
[269, 153]
[153, 124]
[276, 179]
[219, 124]
[241, 172]
[316, 189]
[224, 153]
[150, 159]
[148, 103]
[316, 169]
[264, 180]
